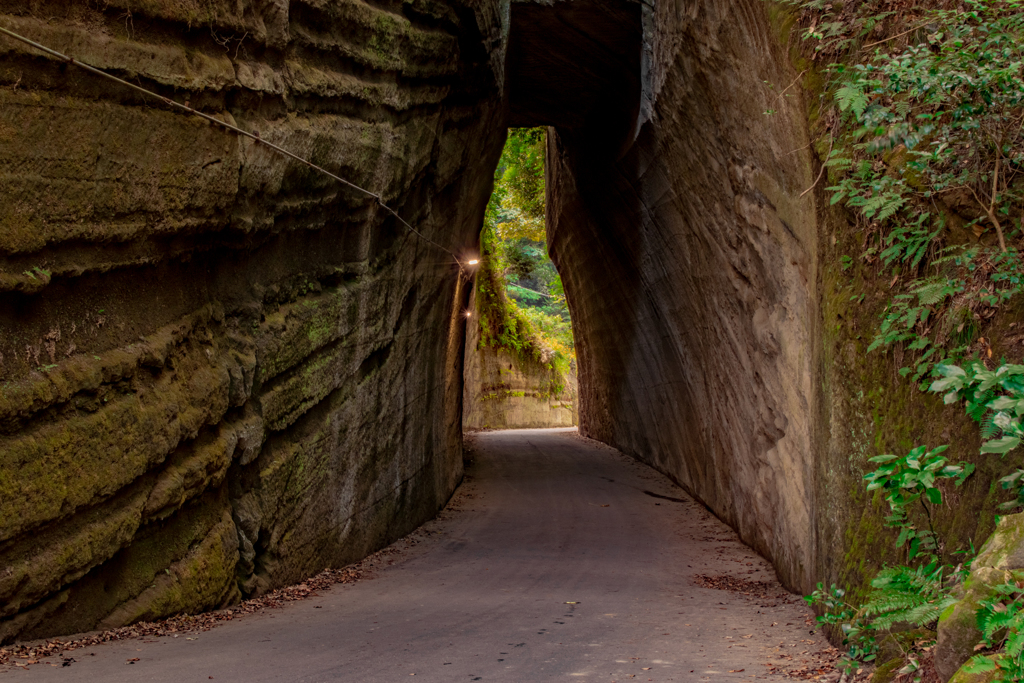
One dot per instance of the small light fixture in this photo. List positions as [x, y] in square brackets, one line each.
[469, 314]
[473, 261]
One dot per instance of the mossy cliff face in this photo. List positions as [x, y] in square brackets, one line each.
[505, 389]
[219, 370]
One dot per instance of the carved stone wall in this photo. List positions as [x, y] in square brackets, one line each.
[689, 261]
[221, 371]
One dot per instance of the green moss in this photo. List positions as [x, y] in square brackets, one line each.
[872, 410]
[382, 44]
[963, 677]
[887, 672]
[203, 579]
[46, 561]
[105, 596]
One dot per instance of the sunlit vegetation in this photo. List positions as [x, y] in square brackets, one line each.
[520, 297]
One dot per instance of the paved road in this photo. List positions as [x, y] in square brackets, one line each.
[552, 563]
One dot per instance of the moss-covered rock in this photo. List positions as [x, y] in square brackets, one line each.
[196, 329]
[962, 676]
[170, 566]
[1001, 559]
[885, 673]
[203, 579]
[1004, 549]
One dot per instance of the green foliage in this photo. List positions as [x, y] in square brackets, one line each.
[1001, 620]
[520, 297]
[912, 486]
[929, 142]
[994, 399]
[914, 596]
[902, 594]
[516, 209]
[954, 104]
[555, 332]
[899, 596]
[914, 478]
[926, 151]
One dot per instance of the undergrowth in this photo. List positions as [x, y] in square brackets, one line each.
[520, 301]
[921, 120]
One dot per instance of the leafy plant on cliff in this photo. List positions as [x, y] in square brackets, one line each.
[911, 485]
[927, 151]
[520, 301]
[914, 478]
[994, 399]
[926, 147]
[915, 593]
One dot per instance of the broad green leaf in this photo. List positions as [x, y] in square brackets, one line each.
[1001, 446]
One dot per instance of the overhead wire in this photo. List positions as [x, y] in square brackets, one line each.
[232, 128]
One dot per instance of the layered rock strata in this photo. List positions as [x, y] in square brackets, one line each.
[509, 390]
[221, 371]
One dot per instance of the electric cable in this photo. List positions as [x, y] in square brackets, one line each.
[232, 128]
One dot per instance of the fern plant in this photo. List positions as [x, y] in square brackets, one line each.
[1001, 620]
[905, 595]
[929, 137]
[902, 594]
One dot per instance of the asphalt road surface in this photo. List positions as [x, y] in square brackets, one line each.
[558, 559]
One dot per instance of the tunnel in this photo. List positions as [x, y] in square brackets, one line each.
[222, 370]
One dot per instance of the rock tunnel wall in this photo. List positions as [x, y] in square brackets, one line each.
[689, 260]
[220, 371]
[508, 390]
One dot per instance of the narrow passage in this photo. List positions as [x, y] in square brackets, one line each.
[558, 559]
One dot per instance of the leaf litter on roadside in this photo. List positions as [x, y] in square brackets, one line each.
[174, 626]
[811, 666]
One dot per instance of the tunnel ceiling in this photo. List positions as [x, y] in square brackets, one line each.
[574, 63]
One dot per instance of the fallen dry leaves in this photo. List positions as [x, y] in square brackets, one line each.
[32, 653]
[806, 665]
[764, 590]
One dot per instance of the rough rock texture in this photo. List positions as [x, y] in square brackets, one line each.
[964, 677]
[689, 261]
[219, 370]
[504, 390]
[1001, 560]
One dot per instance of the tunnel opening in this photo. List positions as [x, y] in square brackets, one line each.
[674, 211]
[677, 213]
[573, 71]
[520, 365]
